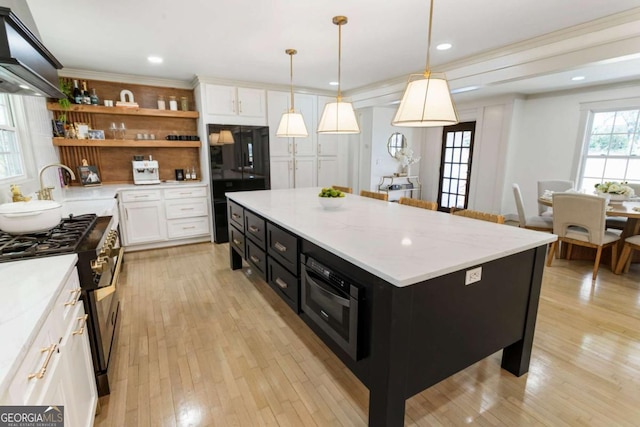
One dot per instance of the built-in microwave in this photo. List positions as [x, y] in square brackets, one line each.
[331, 302]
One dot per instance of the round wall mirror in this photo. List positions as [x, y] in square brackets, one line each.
[396, 142]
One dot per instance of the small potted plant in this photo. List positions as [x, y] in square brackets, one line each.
[60, 123]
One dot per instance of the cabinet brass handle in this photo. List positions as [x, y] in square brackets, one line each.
[253, 229]
[237, 242]
[40, 374]
[74, 297]
[281, 283]
[254, 258]
[140, 196]
[240, 106]
[82, 319]
[186, 194]
[280, 247]
[235, 215]
[186, 209]
[189, 228]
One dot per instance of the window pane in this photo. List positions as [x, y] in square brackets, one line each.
[462, 187]
[456, 154]
[458, 140]
[594, 168]
[445, 185]
[633, 171]
[615, 169]
[589, 185]
[599, 144]
[455, 170]
[619, 145]
[447, 155]
[449, 140]
[460, 202]
[464, 155]
[447, 170]
[454, 186]
[466, 139]
[444, 201]
[625, 121]
[463, 170]
[603, 122]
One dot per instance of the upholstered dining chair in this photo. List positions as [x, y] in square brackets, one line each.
[498, 219]
[417, 203]
[343, 189]
[631, 244]
[579, 219]
[374, 195]
[552, 185]
[539, 223]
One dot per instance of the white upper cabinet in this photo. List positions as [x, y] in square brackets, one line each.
[306, 105]
[278, 103]
[235, 101]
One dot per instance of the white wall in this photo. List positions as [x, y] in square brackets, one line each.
[546, 140]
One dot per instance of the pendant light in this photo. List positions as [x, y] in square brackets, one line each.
[427, 100]
[292, 123]
[338, 117]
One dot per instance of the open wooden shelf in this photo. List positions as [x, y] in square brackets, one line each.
[125, 111]
[149, 143]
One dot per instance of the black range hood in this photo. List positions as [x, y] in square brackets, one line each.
[26, 66]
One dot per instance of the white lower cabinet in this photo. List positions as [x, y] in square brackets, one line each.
[58, 367]
[281, 173]
[143, 222]
[164, 217]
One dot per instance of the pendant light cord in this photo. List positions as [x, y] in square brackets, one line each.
[291, 78]
[427, 71]
[339, 59]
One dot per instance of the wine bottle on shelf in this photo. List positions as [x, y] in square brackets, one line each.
[187, 176]
[86, 98]
[94, 97]
[77, 94]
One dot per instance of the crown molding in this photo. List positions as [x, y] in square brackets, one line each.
[124, 78]
[259, 85]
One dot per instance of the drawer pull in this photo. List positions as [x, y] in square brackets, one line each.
[254, 259]
[80, 331]
[253, 229]
[141, 196]
[235, 216]
[186, 209]
[74, 297]
[281, 283]
[237, 242]
[40, 374]
[189, 228]
[280, 247]
[186, 194]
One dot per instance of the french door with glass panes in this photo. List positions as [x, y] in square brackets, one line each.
[455, 166]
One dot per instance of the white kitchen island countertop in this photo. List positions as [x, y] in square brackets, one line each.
[28, 291]
[401, 244]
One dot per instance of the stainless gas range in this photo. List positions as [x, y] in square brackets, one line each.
[96, 242]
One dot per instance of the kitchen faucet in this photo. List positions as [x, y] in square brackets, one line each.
[45, 192]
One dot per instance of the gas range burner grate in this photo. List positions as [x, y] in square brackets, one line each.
[63, 238]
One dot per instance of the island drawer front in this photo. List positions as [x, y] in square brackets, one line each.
[236, 240]
[185, 193]
[257, 258]
[284, 247]
[255, 228]
[284, 283]
[140, 195]
[236, 215]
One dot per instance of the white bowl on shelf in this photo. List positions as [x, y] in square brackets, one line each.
[331, 203]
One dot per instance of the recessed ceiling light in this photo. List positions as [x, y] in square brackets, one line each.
[25, 87]
[444, 46]
[334, 83]
[577, 78]
[155, 59]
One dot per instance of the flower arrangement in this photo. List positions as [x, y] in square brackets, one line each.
[612, 187]
[406, 157]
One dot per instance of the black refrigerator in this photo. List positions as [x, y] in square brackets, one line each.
[239, 161]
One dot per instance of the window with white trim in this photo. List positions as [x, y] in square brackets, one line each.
[612, 151]
[11, 157]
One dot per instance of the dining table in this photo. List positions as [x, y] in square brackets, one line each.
[629, 209]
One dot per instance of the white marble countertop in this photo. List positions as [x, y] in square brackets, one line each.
[400, 244]
[28, 290]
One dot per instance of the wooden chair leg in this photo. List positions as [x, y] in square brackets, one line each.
[626, 252]
[629, 258]
[569, 248]
[597, 263]
[553, 248]
[614, 255]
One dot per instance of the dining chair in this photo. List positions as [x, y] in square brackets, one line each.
[579, 219]
[343, 189]
[417, 203]
[631, 244]
[552, 185]
[374, 195]
[498, 219]
[539, 223]
[636, 188]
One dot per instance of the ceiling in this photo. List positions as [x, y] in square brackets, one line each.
[503, 46]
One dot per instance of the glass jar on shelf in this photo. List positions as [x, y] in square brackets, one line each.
[161, 103]
[173, 104]
[184, 103]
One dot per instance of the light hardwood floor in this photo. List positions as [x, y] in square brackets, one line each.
[201, 345]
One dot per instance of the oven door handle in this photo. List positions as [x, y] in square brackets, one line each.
[326, 292]
[108, 290]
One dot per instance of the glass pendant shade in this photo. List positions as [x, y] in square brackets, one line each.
[292, 126]
[338, 117]
[426, 102]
